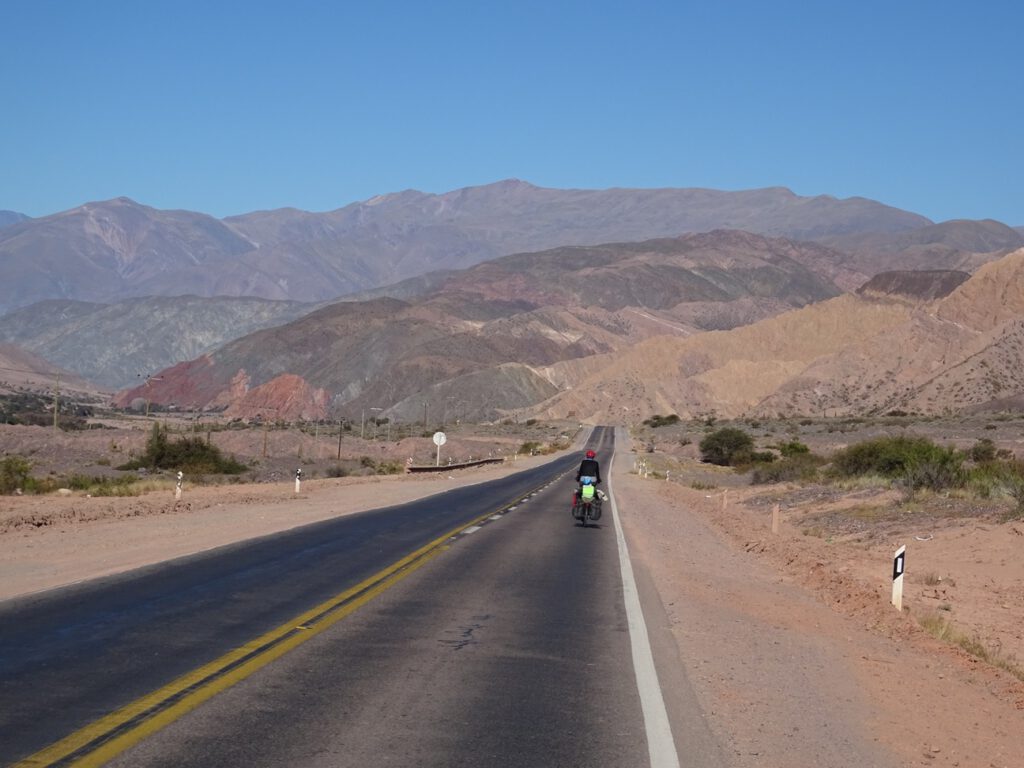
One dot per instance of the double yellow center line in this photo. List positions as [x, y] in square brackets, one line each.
[104, 739]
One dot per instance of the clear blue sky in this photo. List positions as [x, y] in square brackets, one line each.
[232, 107]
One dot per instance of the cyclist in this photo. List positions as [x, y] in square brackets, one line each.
[588, 473]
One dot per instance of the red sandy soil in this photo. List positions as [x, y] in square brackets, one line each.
[788, 639]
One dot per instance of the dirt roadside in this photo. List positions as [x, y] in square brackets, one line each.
[793, 649]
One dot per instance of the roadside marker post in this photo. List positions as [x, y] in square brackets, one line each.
[725, 499]
[177, 487]
[440, 438]
[298, 479]
[899, 564]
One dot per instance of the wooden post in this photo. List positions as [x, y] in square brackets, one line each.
[775, 518]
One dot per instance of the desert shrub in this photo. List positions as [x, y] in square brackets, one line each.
[337, 471]
[14, 474]
[799, 468]
[726, 447]
[530, 447]
[887, 456]
[367, 462]
[661, 421]
[1012, 477]
[982, 451]
[188, 454]
[530, 422]
[939, 472]
[390, 468]
[988, 479]
[793, 448]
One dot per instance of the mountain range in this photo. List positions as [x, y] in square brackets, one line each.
[600, 292]
[108, 251]
[543, 334]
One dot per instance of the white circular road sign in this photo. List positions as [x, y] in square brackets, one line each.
[440, 438]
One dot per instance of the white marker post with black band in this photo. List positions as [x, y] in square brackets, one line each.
[298, 479]
[177, 487]
[898, 568]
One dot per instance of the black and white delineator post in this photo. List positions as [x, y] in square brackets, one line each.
[177, 487]
[298, 478]
[898, 567]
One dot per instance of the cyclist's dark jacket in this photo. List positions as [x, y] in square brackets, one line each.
[589, 468]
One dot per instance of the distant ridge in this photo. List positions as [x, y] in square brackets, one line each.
[958, 244]
[9, 218]
[921, 285]
[116, 249]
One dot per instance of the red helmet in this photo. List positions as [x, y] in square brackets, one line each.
[591, 454]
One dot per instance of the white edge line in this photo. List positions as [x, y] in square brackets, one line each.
[660, 745]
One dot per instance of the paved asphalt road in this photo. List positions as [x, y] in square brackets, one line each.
[507, 645]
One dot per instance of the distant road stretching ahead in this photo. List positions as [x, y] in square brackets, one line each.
[505, 644]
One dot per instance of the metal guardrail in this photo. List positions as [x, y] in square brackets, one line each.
[445, 467]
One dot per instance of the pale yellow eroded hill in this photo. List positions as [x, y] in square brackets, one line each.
[727, 372]
[993, 296]
[850, 354]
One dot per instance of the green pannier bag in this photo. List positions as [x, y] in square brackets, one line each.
[588, 493]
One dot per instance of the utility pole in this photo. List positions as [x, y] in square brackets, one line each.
[341, 428]
[266, 431]
[149, 380]
[424, 414]
[56, 403]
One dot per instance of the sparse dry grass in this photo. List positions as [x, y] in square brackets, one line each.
[941, 628]
[863, 483]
